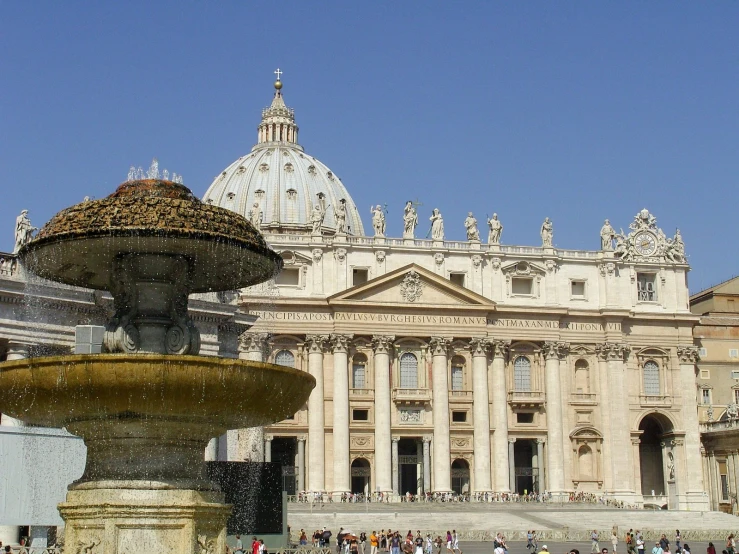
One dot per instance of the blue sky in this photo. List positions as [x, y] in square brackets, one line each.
[578, 111]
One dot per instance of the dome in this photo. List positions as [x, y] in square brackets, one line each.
[278, 185]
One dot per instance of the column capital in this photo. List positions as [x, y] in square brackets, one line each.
[479, 346]
[253, 342]
[382, 344]
[541, 441]
[340, 343]
[268, 438]
[427, 438]
[301, 438]
[636, 441]
[555, 349]
[500, 348]
[396, 439]
[511, 441]
[315, 343]
[439, 345]
[612, 351]
[688, 354]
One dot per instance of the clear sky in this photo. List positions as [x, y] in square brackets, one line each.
[578, 111]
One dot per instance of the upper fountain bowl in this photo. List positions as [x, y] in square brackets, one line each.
[80, 244]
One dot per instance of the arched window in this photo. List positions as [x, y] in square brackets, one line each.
[522, 374]
[408, 371]
[651, 379]
[582, 377]
[585, 461]
[285, 357]
[457, 373]
[359, 371]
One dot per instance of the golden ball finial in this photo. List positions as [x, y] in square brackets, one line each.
[278, 84]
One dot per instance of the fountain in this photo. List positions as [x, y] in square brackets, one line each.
[147, 407]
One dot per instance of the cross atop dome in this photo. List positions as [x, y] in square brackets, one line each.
[278, 82]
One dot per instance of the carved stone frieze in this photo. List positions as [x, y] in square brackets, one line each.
[340, 254]
[688, 354]
[359, 442]
[495, 263]
[439, 258]
[476, 261]
[610, 351]
[380, 256]
[411, 288]
[551, 266]
[410, 416]
[460, 442]
[608, 268]
[317, 254]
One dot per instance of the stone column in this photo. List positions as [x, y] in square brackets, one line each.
[342, 470]
[440, 395]
[553, 351]
[693, 488]
[16, 351]
[616, 355]
[268, 448]
[427, 464]
[301, 463]
[383, 409]
[314, 345]
[481, 414]
[249, 443]
[500, 417]
[511, 466]
[394, 461]
[635, 442]
[540, 463]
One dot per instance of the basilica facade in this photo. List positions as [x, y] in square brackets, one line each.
[463, 366]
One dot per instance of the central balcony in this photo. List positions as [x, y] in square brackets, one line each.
[411, 396]
[361, 394]
[460, 396]
[528, 399]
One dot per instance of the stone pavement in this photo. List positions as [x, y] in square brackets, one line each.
[480, 522]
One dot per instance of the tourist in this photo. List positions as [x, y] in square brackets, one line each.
[254, 545]
[438, 542]
[429, 544]
[419, 544]
[362, 541]
[303, 540]
[639, 544]
[711, 549]
[731, 544]
[239, 549]
[630, 546]
[262, 547]
[354, 546]
[499, 548]
[529, 540]
[614, 541]
[374, 542]
[677, 541]
[664, 543]
[657, 549]
[449, 542]
[455, 542]
[686, 548]
[545, 549]
[395, 543]
[594, 546]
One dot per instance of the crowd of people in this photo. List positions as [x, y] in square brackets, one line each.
[386, 541]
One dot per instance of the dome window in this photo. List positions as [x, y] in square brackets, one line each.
[231, 196]
[289, 167]
[330, 175]
[292, 194]
[312, 169]
[259, 194]
[241, 169]
[264, 167]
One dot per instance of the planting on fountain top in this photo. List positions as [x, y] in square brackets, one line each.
[151, 243]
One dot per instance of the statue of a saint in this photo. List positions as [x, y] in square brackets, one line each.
[437, 225]
[675, 250]
[671, 465]
[340, 217]
[256, 216]
[496, 229]
[316, 219]
[378, 220]
[23, 231]
[547, 233]
[410, 220]
[607, 234]
[470, 224]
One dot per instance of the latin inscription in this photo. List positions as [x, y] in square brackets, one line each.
[433, 319]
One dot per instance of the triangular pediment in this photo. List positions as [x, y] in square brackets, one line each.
[411, 285]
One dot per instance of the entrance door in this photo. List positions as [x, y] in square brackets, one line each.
[527, 474]
[410, 472]
[361, 476]
[284, 450]
[460, 477]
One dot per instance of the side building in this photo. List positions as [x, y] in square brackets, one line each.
[463, 366]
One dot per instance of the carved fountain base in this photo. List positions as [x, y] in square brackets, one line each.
[130, 520]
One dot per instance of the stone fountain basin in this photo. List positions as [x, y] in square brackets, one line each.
[149, 416]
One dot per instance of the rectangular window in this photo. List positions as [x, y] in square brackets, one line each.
[525, 417]
[457, 278]
[288, 277]
[735, 374]
[459, 417]
[724, 480]
[733, 353]
[702, 352]
[577, 289]
[456, 378]
[646, 286]
[705, 374]
[706, 396]
[359, 276]
[736, 396]
[522, 286]
[358, 373]
[360, 415]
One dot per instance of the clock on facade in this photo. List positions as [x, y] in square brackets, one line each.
[645, 243]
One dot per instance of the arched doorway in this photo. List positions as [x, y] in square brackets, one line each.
[361, 476]
[460, 476]
[655, 485]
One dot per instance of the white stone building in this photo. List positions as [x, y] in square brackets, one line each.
[462, 365]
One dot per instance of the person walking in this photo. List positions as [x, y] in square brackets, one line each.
[614, 542]
[678, 538]
[374, 543]
[594, 546]
[449, 542]
[455, 542]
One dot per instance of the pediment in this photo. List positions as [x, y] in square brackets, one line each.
[523, 268]
[291, 257]
[411, 285]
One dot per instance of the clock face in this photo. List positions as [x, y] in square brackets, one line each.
[645, 243]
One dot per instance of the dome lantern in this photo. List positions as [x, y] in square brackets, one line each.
[278, 121]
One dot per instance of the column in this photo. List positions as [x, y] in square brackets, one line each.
[314, 345]
[16, 351]
[396, 480]
[440, 395]
[301, 463]
[693, 488]
[481, 414]
[249, 443]
[500, 417]
[540, 463]
[511, 466]
[635, 442]
[342, 470]
[427, 464]
[616, 355]
[383, 409]
[553, 351]
[268, 448]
